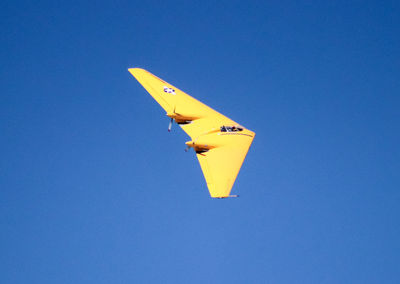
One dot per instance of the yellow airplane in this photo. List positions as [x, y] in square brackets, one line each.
[221, 145]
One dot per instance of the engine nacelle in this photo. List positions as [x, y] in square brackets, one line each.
[199, 148]
[181, 119]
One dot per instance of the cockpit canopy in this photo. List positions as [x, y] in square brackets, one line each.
[231, 128]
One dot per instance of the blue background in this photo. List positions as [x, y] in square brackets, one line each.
[93, 189]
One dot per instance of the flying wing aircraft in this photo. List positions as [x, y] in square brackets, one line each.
[221, 144]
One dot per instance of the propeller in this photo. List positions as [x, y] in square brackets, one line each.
[171, 121]
[170, 125]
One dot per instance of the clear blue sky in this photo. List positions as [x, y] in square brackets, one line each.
[93, 189]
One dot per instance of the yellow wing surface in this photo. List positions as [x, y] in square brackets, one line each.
[220, 143]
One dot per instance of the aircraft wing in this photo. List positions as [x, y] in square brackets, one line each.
[220, 143]
[221, 165]
[175, 101]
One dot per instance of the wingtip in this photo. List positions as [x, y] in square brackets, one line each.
[135, 70]
[224, 196]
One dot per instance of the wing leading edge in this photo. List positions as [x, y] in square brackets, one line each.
[220, 151]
